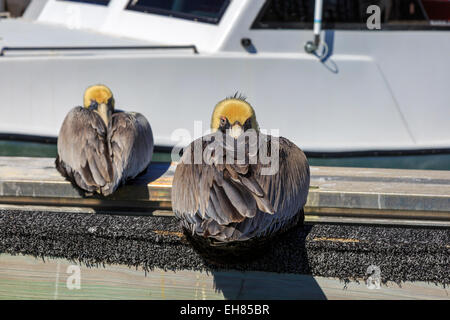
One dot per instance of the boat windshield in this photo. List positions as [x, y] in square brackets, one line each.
[354, 14]
[209, 11]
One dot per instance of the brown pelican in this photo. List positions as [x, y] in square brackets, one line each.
[99, 148]
[225, 202]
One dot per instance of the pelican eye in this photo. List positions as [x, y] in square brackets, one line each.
[111, 102]
[248, 124]
[93, 105]
[224, 124]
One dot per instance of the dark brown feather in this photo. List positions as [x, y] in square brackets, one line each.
[99, 159]
[83, 149]
[235, 201]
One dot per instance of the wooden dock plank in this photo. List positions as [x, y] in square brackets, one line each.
[25, 277]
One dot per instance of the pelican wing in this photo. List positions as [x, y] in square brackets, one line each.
[287, 189]
[214, 199]
[219, 191]
[83, 150]
[131, 143]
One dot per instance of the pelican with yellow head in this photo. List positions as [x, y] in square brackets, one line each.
[234, 114]
[99, 147]
[233, 202]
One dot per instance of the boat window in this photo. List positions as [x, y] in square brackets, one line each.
[209, 11]
[100, 2]
[352, 14]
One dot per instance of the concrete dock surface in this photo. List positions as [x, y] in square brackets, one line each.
[337, 194]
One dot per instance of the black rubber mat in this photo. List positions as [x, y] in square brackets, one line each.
[342, 251]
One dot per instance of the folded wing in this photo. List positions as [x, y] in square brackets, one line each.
[83, 150]
[287, 189]
[131, 145]
[236, 201]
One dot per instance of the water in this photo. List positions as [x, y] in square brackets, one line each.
[422, 162]
[27, 149]
[425, 162]
[47, 150]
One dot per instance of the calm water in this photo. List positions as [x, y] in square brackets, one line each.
[429, 162]
[46, 150]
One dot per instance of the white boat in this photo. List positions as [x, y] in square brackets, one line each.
[173, 60]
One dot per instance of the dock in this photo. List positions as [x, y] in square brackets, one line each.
[336, 195]
[130, 245]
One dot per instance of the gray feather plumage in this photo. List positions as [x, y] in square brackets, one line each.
[232, 202]
[98, 158]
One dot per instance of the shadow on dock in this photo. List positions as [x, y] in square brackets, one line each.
[251, 285]
[246, 276]
[134, 189]
[153, 172]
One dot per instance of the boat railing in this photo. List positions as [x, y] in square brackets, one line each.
[98, 48]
